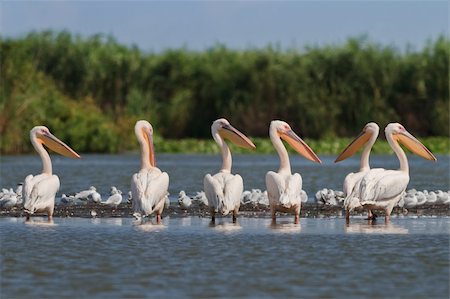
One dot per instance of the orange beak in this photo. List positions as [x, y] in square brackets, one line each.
[299, 145]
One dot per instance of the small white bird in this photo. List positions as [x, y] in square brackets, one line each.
[93, 213]
[264, 199]
[8, 201]
[183, 200]
[421, 198]
[201, 198]
[409, 200]
[83, 195]
[326, 197]
[114, 200]
[95, 197]
[67, 199]
[245, 197]
[443, 197]
[130, 197]
[431, 197]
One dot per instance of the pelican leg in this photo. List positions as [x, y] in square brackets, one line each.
[158, 218]
[234, 217]
[297, 215]
[371, 215]
[213, 217]
[347, 216]
[50, 214]
[274, 216]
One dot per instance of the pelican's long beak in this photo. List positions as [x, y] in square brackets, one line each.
[300, 146]
[229, 132]
[354, 146]
[149, 139]
[414, 145]
[53, 143]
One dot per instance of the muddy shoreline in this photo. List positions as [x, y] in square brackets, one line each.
[309, 210]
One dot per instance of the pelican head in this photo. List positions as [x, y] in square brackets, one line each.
[281, 129]
[369, 132]
[222, 127]
[144, 133]
[41, 135]
[401, 135]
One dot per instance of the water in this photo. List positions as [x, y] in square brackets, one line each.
[187, 171]
[188, 258]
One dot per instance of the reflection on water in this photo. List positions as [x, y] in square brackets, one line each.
[186, 257]
[225, 227]
[375, 228]
[149, 227]
[37, 221]
[285, 227]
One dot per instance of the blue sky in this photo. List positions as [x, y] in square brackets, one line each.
[158, 25]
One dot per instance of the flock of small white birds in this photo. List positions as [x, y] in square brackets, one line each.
[255, 197]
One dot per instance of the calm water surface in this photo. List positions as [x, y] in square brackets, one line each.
[187, 171]
[188, 258]
[115, 258]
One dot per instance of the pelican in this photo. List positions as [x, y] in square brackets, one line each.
[383, 189]
[223, 190]
[39, 191]
[366, 138]
[148, 186]
[283, 187]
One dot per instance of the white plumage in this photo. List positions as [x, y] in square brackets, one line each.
[183, 200]
[283, 187]
[383, 189]
[149, 186]
[224, 189]
[39, 191]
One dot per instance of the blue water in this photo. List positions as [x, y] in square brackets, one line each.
[187, 171]
[188, 258]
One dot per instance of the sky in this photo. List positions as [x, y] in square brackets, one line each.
[198, 25]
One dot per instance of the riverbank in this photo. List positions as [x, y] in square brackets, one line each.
[309, 210]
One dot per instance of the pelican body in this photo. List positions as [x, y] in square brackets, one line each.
[366, 138]
[39, 191]
[381, 188]
[283, 187]
[224, 189]
[148, 186]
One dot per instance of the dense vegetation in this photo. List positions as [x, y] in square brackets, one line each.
[90, 91]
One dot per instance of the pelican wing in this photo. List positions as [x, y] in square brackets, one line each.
[40, 192]
[148, 188]
[234, 186]
[382, 185]
[213, 191]
[275, 185]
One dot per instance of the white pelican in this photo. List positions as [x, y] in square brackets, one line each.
[384, 189]
[223, 190]
[148, 186]
[367, 137]
[283, 187]
[39, 191]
